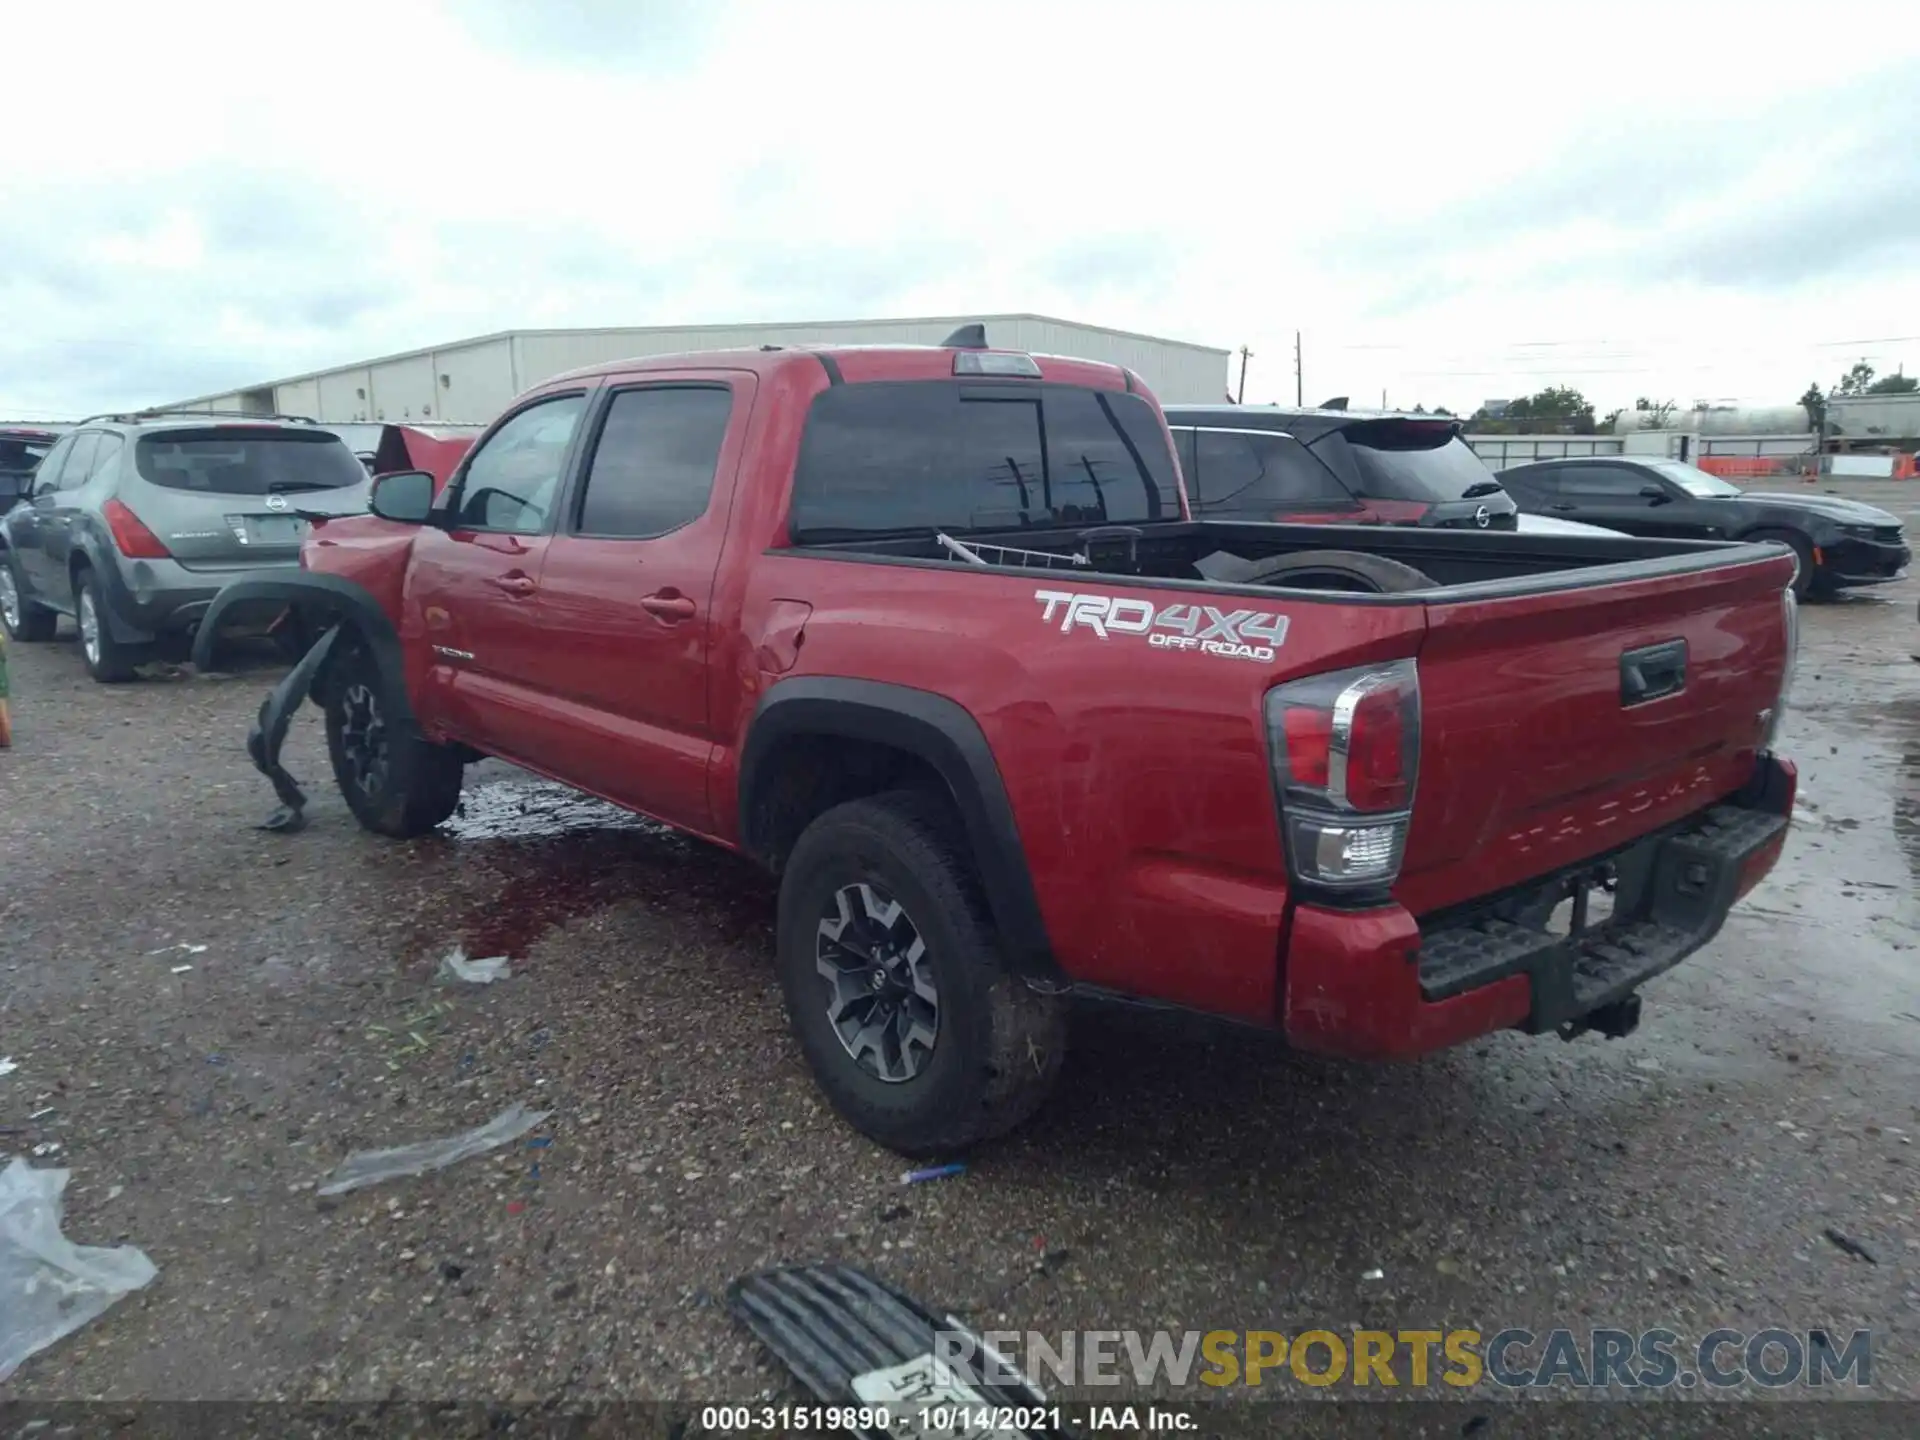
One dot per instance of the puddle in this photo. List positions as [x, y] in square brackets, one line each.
[554, 855]
[512, 808]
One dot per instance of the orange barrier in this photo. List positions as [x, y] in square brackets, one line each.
[1751, 467]
[1906, 467]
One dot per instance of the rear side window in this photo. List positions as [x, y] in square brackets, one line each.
[653, 468]
[79, 464]
[104, 455]
[1257, 475]
[235, 460]
[940, 455]
[1402, 460]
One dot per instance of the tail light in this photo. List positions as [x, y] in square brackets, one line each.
[1790, 626]
[1346, 758]
[130, 537]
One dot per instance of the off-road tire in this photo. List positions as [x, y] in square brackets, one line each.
[107, 660]
[37, 623]
[1351, 570]
[419, 783]
[999, 1042]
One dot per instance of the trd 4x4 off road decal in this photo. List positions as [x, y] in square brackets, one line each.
[1237, 634]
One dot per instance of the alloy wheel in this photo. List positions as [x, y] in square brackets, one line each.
[9, 598]
[881, 999]
[89, 618]
[363, 739]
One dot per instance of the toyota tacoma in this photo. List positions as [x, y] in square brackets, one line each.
[932, 634]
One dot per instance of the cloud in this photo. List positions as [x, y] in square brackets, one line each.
[1424, 202]
[653, 37]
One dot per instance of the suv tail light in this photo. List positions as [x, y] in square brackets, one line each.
[1346, 758]
[130, 537]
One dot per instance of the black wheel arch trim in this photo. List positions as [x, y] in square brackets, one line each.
[317, 596]
[946, 736]
[104, 562]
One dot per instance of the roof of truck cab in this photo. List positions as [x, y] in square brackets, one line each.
[856, 364]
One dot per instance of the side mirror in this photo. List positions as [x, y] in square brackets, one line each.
[405, 496]
[1653, 493]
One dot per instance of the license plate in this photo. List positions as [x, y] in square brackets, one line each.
[273, 530]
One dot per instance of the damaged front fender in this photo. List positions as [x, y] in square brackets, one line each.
[269, 733]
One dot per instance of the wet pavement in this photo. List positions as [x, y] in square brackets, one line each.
[1185, 1176]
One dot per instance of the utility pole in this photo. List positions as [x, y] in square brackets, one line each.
[1299, 379]
[1240, 396]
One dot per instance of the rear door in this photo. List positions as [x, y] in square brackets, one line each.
[625, 606]
[474, 578]
[224, 496]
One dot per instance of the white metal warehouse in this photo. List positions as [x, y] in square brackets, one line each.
[471, 381]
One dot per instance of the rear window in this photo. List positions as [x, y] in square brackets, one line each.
[918, 456]
[1399, 460]
[239, 461]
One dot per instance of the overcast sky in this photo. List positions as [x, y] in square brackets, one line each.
[1452, 202]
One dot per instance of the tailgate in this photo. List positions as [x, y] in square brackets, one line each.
[1558, 725]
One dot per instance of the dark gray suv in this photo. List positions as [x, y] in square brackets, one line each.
[134, 522]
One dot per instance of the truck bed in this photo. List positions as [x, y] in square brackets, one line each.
[1484, 563]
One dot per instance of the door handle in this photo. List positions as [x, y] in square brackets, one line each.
[1563, 507]
[668, 606]
[519, 585]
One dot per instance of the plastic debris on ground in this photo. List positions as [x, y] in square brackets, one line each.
[49, 1286]
[169, 949]
[475, 972]
[370, 1167]
[938, 1172]
[7, 1067]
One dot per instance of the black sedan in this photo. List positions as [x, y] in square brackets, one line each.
[1839, 542]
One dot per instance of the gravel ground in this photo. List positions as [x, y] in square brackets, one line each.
[1185, 1176]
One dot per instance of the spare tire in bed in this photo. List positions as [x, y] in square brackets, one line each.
[1349, 570]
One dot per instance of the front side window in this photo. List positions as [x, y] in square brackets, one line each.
[512, 480]
[1695, 481]
[652, 470]
[1602, 482]
[47, 477]
[894, 457]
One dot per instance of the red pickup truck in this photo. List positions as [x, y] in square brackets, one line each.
[929, 632]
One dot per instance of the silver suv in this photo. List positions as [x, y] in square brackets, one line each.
[134, 522]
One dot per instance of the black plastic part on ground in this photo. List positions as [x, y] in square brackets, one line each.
[269, 733]
[833, 1325]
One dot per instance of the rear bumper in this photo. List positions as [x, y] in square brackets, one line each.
[149, 598]
[1377, 985]
[1863, 562]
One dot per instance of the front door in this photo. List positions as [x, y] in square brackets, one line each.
[473, 585]
[626, 597]
[43, 554]
[1610, 495]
